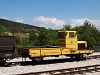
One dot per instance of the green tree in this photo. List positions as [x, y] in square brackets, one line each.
[52, 37]
[87, 32]
[66, 27]
[2, 30]
[97, 38]
[33, 38]
[42, 38]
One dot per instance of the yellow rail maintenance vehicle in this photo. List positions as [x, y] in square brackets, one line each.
[68, 45]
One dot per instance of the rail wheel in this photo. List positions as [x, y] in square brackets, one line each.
[79, 57]
[39, 59]
[2, 62]
[36, 59]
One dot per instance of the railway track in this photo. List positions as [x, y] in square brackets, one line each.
[47, 61]
[68, 71]
[94, 57]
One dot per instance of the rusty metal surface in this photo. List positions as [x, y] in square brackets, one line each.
[7, 46]
[7, 41]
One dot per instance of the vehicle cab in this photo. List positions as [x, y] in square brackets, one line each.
[68, 39]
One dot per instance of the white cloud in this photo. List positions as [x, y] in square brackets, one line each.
[20, 21]
[12, 19]
[80, 21]
[53, 23]
[2, 17]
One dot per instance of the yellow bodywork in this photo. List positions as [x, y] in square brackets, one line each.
[68, 42]
[68, 39]
[43, 52]
[83, 42]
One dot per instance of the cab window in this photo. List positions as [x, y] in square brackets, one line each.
[71, 35]
[61, 34]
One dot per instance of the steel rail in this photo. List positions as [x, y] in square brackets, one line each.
[94, 57]
[75, 70]
[15, 63]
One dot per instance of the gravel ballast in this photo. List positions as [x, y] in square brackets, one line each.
[45, 67]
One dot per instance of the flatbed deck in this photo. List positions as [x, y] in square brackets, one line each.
[43, 52]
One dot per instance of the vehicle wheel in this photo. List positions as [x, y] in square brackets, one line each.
[2, 63]
[79, 57]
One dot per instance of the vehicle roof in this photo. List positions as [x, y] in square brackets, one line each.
[82, 42]
[66, 31]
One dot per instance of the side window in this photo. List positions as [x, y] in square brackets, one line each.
[71, 35]
[61, 34]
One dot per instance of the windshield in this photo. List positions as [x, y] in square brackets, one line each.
[71, 35]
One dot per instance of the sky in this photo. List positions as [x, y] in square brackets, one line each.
[51, 13]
